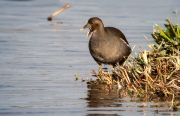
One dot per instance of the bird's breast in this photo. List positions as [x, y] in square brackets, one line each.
[102, 51]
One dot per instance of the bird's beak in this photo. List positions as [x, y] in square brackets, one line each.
[88, 33]
[82, 28]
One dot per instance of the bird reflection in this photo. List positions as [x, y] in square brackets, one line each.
[103, 95]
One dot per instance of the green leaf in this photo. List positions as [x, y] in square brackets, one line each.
[178, 31]
[168, 33]
[162, 33]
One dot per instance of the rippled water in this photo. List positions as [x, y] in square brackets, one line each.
[38, 60]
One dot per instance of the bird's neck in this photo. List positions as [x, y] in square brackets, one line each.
[99, 32]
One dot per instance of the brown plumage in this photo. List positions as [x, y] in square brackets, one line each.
[107, 45]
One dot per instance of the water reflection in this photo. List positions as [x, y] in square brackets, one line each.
[100, 99]
[100, 96]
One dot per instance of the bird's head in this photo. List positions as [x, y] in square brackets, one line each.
[94, 24]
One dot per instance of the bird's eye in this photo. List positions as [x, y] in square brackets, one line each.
[97, 25]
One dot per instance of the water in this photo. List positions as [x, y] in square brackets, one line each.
[38, 60]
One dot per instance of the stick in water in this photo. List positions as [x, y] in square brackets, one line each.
[58, 11]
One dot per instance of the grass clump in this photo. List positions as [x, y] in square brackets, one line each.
[153, 73]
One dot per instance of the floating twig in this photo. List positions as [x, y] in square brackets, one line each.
[58, 11]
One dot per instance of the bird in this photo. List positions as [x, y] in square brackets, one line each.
[107, 45]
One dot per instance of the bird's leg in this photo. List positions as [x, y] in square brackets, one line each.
[100, 69]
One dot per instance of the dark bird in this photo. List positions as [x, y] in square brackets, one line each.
[107, 45]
